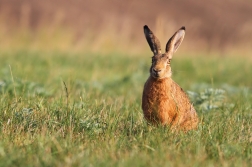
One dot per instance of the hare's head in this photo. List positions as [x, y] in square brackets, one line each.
[160, 67]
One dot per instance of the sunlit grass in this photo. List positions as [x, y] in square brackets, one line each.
[95, 118]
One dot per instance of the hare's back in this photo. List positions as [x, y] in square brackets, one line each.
[179, 95]
[188, 116]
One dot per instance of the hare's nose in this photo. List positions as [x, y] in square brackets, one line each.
[156, 70]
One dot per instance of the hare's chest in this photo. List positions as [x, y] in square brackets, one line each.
[158, 94]
[158, 103]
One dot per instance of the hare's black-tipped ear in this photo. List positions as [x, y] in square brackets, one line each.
[175, 41]
[152, 40]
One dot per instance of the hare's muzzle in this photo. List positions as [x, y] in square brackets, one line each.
[156, 72]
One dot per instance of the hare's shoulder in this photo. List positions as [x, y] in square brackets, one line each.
[175, 88]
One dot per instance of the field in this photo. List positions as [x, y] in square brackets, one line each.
[84, 109]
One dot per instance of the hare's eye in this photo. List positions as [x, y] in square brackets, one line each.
[169, 61]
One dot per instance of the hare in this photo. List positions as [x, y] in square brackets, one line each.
[164, 101]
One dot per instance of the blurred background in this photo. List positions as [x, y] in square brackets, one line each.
[117, 26]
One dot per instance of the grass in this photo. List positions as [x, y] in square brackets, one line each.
[72, 109]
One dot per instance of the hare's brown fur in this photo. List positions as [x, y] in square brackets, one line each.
[164, 101]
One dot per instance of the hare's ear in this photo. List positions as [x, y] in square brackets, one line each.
[152, 40]
[175, 41]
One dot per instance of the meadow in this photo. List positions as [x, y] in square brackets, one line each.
[84, 109]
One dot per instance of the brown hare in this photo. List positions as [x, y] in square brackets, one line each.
[164, 101]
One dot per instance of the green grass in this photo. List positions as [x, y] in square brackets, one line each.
[98, 120]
